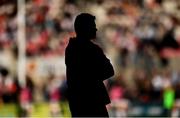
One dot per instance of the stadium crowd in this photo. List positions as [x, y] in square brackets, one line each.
[141, 38]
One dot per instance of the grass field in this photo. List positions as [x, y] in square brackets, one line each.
[37, 110]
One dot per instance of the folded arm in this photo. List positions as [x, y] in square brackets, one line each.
[104, 67]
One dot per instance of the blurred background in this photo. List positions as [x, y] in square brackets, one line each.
[140, 37]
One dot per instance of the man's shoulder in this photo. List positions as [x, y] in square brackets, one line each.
[96, 46]
[70, 43]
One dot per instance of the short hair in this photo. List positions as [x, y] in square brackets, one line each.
[83, 21]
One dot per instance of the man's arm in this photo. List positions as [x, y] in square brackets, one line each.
[104, 67]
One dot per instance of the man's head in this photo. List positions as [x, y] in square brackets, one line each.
[85, 26]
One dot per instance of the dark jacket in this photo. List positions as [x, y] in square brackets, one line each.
[86, 68]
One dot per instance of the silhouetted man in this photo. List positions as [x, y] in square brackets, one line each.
[86, 68]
